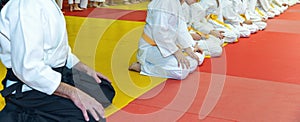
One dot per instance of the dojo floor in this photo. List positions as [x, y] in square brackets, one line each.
[255, 80]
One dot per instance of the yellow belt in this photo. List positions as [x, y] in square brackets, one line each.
[243, 16]
[259, 12]
[148, 39]
[198, 32]
[272, 5]
[215, 18]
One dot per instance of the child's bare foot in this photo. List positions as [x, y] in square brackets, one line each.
[136, 66]
[77, 9]
[96, 5]
[103, 5]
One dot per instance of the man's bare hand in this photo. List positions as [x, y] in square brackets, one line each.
[91, 72]
[82, 100]
[87, 104]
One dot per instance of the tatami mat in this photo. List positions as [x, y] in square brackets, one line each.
[255, 80]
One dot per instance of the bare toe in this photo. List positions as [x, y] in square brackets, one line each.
[136, 66]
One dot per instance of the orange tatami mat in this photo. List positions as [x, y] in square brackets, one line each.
[291, 14]
[255, 80]
[242, 99]
[265, 55]
[285, 26]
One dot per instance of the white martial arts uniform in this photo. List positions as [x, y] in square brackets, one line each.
[292, 2]
[211, 46]
[265, 6]
[33, 45]
[83, 4]
[276, 4]
[284, 1]
[240, 7]
[279, 3]
[73, 1]
[166, 26]
[254, 16]
[211, 8]
[275, 8]
[232, 18]
[255, 10]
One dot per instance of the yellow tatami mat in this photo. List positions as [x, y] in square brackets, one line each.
[2, 75]
[110, 46]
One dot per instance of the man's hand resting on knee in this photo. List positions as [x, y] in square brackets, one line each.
[82, 100]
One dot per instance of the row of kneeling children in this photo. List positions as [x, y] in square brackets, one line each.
[178, 34]
[215, 23]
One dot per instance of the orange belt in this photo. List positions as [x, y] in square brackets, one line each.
[148, 39]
